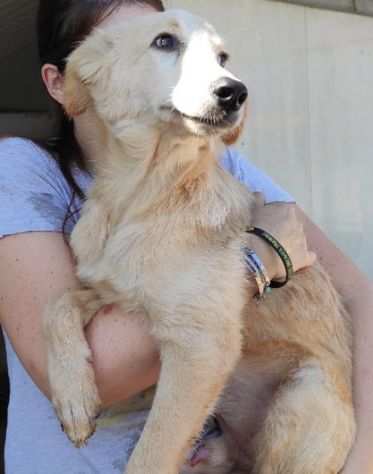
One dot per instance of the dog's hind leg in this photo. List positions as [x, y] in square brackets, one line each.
[71, 377]
[309, 428]
[192, 376]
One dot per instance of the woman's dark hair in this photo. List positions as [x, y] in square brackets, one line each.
[61, 25]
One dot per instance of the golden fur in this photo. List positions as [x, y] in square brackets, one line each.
[162, 233]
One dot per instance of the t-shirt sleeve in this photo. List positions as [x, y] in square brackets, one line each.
[33, 197]
[253, 178]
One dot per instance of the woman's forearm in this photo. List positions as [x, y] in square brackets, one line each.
[125, 356]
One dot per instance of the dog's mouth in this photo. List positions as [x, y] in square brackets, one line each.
[215, 119]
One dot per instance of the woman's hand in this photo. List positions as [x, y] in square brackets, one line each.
[282, 221]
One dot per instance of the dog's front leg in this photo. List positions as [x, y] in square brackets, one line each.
[193, 375]
[71, 377]
[90, 233]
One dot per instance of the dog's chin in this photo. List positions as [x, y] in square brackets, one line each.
[208, 126]
[213, 123]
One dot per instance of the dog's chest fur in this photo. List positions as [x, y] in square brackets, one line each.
[183, 236]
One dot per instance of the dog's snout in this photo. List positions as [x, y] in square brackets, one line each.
[231, 94]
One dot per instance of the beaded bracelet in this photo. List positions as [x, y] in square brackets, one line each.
[257, 268]
[279, 249]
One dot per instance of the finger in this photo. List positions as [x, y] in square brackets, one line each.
[259, 199]
[307, 262]
[293, 213]
[312, 257]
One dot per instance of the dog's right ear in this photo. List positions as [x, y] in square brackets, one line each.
[83, 68]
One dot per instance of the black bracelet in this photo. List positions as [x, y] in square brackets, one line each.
[279, 249]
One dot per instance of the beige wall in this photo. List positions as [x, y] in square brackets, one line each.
[310, 78]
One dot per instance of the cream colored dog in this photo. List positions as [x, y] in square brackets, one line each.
[162, 233]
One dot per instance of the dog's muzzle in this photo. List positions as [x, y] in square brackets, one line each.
[230, 94]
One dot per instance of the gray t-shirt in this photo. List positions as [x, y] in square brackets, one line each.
[34, 196]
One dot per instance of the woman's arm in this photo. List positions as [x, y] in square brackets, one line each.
[357, 292]
[37, 268]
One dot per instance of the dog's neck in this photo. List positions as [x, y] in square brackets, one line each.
[157, 168]
[131, 144]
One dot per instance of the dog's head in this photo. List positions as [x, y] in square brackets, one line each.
[163, 68]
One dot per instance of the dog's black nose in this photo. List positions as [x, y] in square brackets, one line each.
[230, 94]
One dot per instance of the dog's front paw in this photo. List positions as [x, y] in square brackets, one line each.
[77, 404]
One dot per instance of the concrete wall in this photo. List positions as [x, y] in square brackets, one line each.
[310, 77]
[363, 7]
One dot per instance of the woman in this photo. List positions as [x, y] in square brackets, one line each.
[41, 192]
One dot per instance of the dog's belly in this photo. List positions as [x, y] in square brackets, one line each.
[246, 399]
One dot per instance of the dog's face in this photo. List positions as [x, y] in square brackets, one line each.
[157, 68]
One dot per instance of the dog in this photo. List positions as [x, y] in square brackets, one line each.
[162, 233]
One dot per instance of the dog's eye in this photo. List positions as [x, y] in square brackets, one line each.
[166, 42]
[223, 59]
